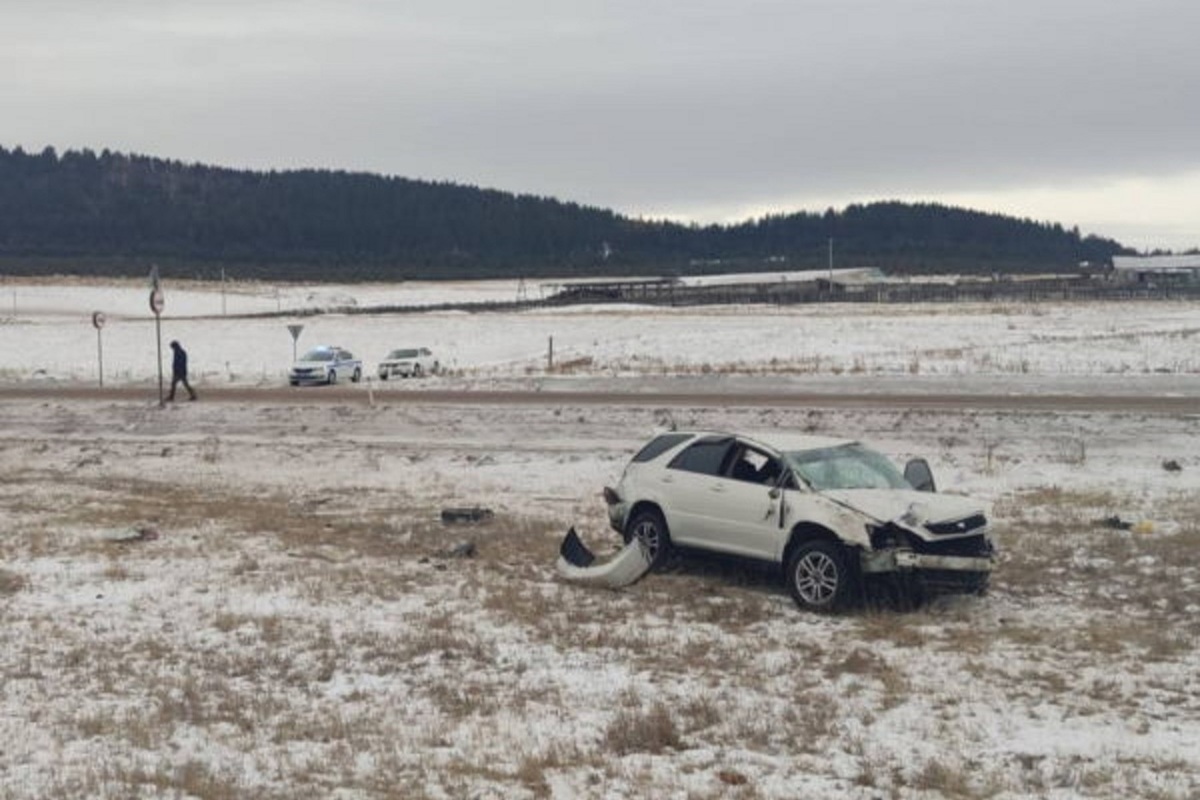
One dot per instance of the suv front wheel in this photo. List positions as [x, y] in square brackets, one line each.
[819, 576]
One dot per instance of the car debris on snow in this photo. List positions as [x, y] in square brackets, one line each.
[576, 563]
[466, 514]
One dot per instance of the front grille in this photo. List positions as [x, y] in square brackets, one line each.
[958, 527]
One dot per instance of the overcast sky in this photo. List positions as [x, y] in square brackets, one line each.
[1084, 112]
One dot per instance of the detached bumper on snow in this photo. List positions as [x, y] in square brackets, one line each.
[577, 564]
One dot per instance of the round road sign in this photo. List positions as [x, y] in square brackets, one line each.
[156, 301]
[98, 320]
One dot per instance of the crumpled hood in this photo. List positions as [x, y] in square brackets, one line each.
[887, 505]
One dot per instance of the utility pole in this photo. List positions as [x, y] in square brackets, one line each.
[156, 305]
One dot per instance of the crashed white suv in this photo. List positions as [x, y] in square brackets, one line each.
[830, 511]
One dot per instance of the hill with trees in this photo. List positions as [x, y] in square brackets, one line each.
[115, 214]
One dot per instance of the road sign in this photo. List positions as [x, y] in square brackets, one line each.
[295, 331]
[156, 301]
[98, 320]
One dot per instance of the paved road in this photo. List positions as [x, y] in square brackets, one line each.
[1159, 404]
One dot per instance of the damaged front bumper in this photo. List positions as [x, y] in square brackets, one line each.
[898, 560]
[931, 572]
[943, 563]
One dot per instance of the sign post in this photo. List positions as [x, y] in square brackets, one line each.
[156, 305]
[295, 331]
[98, 321]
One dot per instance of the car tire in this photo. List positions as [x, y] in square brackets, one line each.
[383, 376]
[357, 376]
[819, 576]
[651, 529]
[331, 379]
[294, 383]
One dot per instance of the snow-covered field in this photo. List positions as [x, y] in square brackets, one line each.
[293, 621]
[48, 334]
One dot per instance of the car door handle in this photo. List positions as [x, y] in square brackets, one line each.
[717, 487]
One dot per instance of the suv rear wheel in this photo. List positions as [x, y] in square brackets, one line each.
[650, 529]
[819, 576]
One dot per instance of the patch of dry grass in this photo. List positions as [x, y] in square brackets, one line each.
[11, 582]
[636, 729]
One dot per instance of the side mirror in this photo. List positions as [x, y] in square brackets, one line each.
[918, 473]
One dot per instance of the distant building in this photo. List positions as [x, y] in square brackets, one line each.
[1151, 269]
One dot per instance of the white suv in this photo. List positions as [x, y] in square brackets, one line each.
[830, 511]
[414, 361]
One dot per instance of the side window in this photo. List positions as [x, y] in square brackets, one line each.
[659, 445]
[706, 457]
[754, 466]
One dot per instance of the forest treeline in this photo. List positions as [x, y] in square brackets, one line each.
[85, 213]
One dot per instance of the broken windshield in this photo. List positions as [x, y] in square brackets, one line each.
[849, 466]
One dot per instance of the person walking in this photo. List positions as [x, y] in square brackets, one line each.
[179, 372]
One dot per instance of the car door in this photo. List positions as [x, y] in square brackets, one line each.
[723, 498]
[344, 367]
[746, 517]
[691, 489]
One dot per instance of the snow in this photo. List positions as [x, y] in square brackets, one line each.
[297, 628]
[50, 335]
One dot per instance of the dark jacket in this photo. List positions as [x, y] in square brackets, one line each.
[179, 363]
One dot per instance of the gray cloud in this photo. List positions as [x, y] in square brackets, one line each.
[645, 107]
